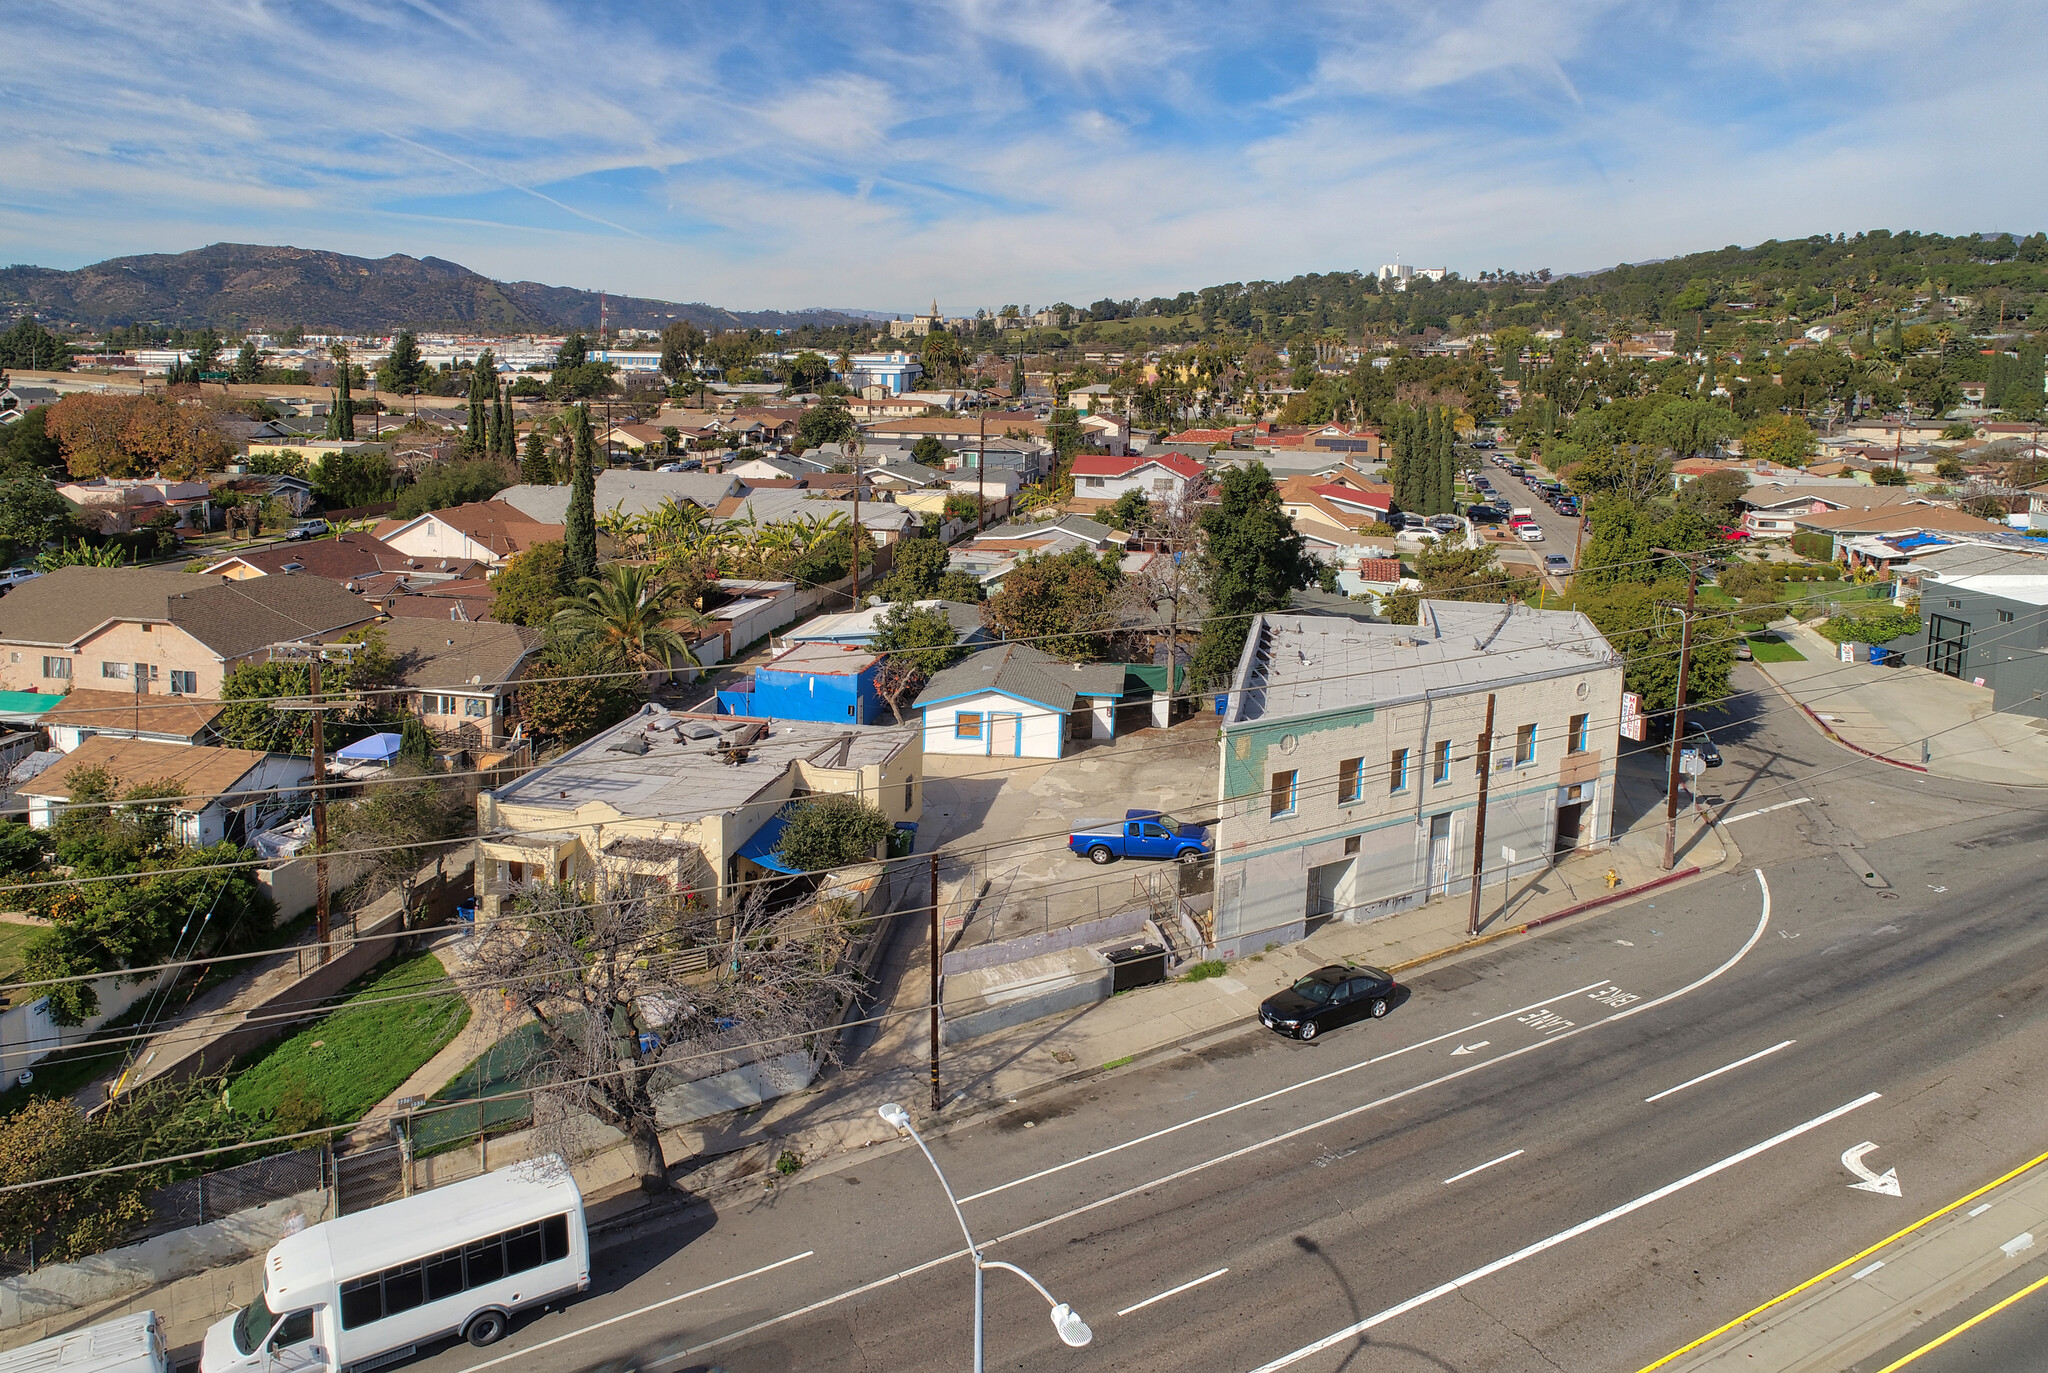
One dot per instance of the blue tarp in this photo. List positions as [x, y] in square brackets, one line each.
[761, 848]
[378, 748]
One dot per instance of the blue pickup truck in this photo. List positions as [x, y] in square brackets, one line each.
[1140, 834]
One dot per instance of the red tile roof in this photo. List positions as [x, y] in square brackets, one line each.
[1379, 569]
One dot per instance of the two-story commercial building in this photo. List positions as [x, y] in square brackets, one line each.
[1349, 776]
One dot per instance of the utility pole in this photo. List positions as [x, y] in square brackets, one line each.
[313, 654]
[1479, 825]
[935, 985]
[856, 531]
[1692, 586]
[981, 466]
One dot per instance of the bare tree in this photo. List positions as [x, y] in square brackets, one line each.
[400, 827]
[638, 988]
[1164, 597]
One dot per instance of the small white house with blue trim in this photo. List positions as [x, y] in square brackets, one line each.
[1013, 701]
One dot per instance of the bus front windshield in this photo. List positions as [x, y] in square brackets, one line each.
[254, 1325]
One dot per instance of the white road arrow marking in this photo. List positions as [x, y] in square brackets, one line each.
[1885, 1186]
[1470, 1048]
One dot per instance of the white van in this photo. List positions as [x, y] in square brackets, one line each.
[369, 1289]
[132, 1344]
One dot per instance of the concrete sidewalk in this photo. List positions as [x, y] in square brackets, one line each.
[1889, 712]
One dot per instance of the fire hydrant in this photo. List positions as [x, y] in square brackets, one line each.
[1613, 879]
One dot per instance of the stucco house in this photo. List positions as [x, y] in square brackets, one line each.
[1014, 701]
[218, 788]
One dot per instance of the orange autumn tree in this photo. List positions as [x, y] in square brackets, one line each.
[133, 436]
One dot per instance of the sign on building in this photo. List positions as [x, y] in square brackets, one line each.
[1631, 716]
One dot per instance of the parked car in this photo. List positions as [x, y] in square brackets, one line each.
[1698, 739]
[1743, 652]
[1485, 514]
[1327, 998]
[15, 576]
[306, 529]
[1445, 524]
[1531, 533]
[1568, 505]
[1557, 564]
[1140, 834]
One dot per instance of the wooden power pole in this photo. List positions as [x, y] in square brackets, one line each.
[1692, 586]
[1479, 824]
[313, 654]
[935, 985]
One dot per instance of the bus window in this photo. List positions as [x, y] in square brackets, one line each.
[522, 1249]
[444, 1275]
[403, 1289]
[555, 1230]
[486, 1261]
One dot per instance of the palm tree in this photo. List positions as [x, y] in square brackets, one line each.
[629, 608]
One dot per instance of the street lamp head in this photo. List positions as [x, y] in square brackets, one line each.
[897, 1117]
[1074, 1331]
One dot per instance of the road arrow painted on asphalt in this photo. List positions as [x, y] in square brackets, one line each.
[1470, 1048]
[1885, 1186]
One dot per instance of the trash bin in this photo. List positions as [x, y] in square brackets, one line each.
[1878, 655]
[903, 839]
[1140, 965]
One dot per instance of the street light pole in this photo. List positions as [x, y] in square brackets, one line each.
[1072, 1330]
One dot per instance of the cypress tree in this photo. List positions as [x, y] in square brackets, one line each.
[579, 535]
[344, 408]
[1447, 464]
[474, 433]
[537, 467]
[508, 429]
[333, 413]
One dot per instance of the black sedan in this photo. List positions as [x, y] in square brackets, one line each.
[1327, 998]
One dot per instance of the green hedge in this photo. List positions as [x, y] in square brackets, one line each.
[1820, 547]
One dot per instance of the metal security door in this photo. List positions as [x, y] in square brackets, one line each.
[1948, 644]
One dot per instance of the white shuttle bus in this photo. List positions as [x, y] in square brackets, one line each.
[366, 1290]
[127, 1344]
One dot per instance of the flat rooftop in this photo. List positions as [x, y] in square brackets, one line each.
[1297, 665]
[663, 764]
[822, 659]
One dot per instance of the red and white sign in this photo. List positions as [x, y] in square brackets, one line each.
[1631, 716]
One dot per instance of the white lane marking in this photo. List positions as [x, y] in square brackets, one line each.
[1470, 1048]
[1752, 814]
[1172, 1292]
[1979, 1210]
[1726, 1068]
[1763, 923]
[1484, 1166]
[2018, 1245]
[1866, 1270]
[1276, 1092]
[630, 1315]
[1352, 1331]
[1885, 1186]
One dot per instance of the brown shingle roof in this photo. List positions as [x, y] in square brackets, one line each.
[209, 772]
[494, 524]
[338, 560]
[82, 708]
[230, 618]
[444, 655]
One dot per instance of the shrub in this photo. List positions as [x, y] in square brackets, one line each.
[1214, 967]
[1808, 544]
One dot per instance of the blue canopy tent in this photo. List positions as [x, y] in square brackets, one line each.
[762, 847]
[378, 748]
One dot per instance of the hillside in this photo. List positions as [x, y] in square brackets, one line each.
[237, 286]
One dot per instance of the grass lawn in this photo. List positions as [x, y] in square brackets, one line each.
[13, 939]
[1768, 648]
[350, 1060]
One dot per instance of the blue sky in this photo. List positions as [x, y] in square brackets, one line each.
[997, 151]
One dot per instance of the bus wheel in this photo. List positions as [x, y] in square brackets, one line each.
[486, 1327]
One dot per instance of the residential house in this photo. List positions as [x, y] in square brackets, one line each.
[1772, 510]
[830, 683]
[881, 374]
[859, 627]
[20, 398]
[1912, 516]
[219, 790]
[694, 802]
[622, 489]
[460, 675]
[1014, 701]
[1331, 514]
[119, 505]
[343, 558]
[1162, 478]
[634, 438]
[1347, 782]
[87, 712]
[155, 632]
[1984, 617]
[466, 598]
[962, 429]
[489, 532]
[767, 469]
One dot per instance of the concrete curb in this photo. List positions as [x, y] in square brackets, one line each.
[1822, 725]
[1618, 895]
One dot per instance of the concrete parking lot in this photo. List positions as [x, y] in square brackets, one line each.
[1005, 821]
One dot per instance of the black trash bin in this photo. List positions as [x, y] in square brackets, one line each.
[1140, 965]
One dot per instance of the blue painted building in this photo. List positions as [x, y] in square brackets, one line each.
[829, 683]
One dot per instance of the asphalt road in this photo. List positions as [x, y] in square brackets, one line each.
[1560, 532]
[1577, 1151]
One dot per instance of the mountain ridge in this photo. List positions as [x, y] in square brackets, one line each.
[246, 286]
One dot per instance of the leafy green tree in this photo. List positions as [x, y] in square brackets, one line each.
[403, 371]
[1252, 560]
[1060, 603]
[681, 341]
[579, 539]
[831, 831]
[248, 367]
[930, 452]
[29, 346]
[530, 586]
[1890, 476]
[537, 465]
[808, 371]
[1064, 430]
[919, 567]
[483, 393]
[1467, 574]
[917, 642]
[350, 478]
[1646, 633]
[31, 511]
[577, 689]
[1717, 496]
[829, 421]
[1689, 427]
[574, 352]
[1785, 440]
[453, 483]
[28, 442]
[1128, 512]
[415, 745]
